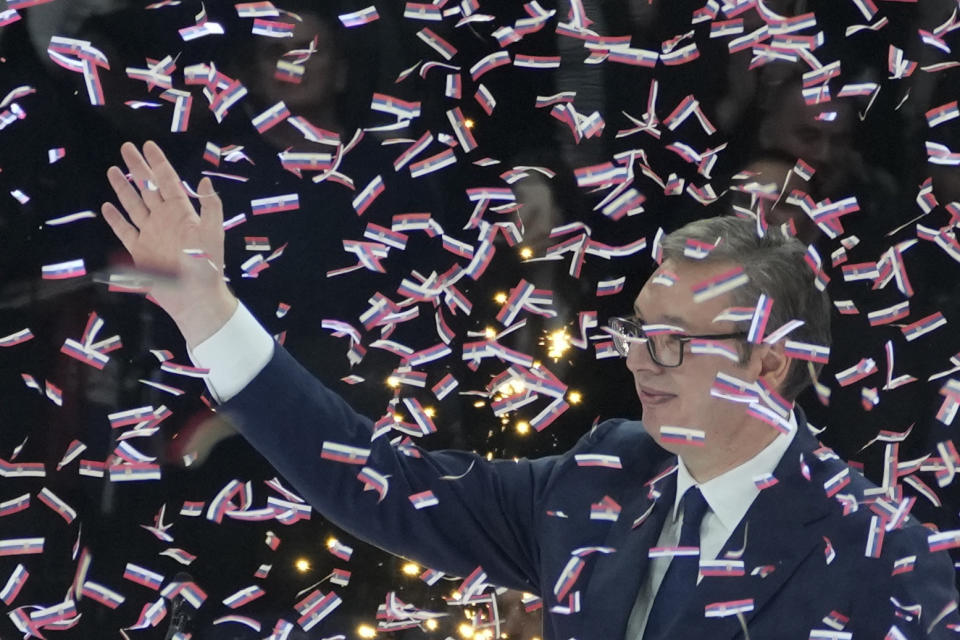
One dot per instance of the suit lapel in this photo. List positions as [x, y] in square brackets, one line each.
[616, 578]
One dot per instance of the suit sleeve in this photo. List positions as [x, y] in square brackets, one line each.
[917, 603]
[931, 584]
[487, 518]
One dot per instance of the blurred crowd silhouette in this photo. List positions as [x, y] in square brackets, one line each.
[868, 145]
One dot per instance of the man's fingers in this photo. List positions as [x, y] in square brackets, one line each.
[140, 170]
[125, 231]
[166, 176]
[128, 196]
[211, 208]
[211, 219]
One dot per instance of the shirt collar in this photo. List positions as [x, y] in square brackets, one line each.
[730, 494]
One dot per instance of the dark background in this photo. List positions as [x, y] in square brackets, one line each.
[878, 157]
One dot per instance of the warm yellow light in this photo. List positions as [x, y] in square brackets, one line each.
[526, 253]
[558, 343]
[523, 427]
[411, 569]
[500, 298]
[430, 411]
[479, 403]
[489, 455]
[366, 631]
[465, 630]
[490, 333]
[431, 624]
[302, 565]
[512, 387]
[393, 382]
[397, 417]
[331, 542]
[468, 122]
[574, 397]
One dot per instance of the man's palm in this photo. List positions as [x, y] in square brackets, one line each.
[164, 234]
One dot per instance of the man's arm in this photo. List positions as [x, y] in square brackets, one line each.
[484, 519]
[475, 512]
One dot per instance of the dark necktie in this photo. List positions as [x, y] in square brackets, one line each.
[681, 577]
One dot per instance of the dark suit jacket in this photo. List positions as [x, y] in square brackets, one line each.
[521, 520]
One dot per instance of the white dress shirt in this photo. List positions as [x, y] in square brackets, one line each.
[728, 497]
[239, 350]
[235, 354]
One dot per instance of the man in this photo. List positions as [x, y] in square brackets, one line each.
[785, 532]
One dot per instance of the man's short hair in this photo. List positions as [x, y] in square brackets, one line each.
[774, 263]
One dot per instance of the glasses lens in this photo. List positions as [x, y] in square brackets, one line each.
[666, 349]
[624, 332]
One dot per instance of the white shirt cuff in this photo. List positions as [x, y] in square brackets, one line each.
[235, 354]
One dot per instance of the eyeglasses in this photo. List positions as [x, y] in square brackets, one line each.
[665, 347]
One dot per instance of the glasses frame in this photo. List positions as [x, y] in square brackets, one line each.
[633, 322]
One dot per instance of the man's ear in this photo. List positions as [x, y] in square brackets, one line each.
[775, 365]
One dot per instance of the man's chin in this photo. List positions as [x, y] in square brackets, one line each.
[671, 447]
[679, 449]
[658, 413]
[652, 426]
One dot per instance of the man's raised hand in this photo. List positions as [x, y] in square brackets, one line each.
[164, 234]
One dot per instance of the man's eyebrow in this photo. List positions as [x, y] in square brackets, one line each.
[672, 319]
[668, 318]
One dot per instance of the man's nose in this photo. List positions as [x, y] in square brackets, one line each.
[638, 358]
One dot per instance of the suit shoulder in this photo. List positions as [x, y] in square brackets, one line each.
[616, 431]
[626, 440]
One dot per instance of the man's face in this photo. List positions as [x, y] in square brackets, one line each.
[680, 396]
[802, 132]
[780, 172]
[323, 80]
